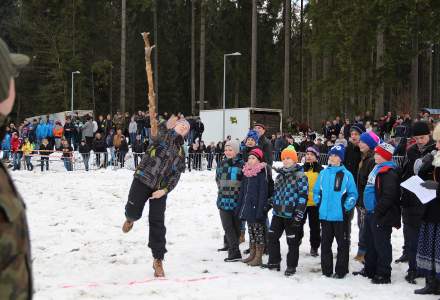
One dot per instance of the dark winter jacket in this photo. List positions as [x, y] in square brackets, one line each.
[67, 151]
[163, 162]
[253, 201]
[413, 209]
[84, 149]
[99, 145]
[138, 147]
[387, 188]
[352, 159]
[289, 199]
[432, 208]
[124, 145]
[69, 130]
[228, 177]
[265, 145]
[365, 167]
[45, 150]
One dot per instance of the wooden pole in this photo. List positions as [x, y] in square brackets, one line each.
[151, 93]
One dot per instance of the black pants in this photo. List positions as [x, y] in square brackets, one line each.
[312, 212]
[293, 237]
[137, 197]
[379, 250]
[89, 141]
[137, 156]
[98, 159]
[338, 231]
[44, 160]
[411, 237]
[231, 226]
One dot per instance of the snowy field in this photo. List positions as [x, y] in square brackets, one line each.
[80, 252]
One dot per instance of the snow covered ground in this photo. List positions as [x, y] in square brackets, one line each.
[80, 252]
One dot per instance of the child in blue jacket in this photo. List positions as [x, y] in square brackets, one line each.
[336, 194]
[289, 203]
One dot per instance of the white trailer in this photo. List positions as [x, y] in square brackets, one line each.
[237, 122]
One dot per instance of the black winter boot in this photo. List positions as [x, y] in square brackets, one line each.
[431, 287]
[363, 273]
[402, 259]
[314, 252]
[290, 271]
[233, 255]
[381, 279]
[271, 266]
[411, 277]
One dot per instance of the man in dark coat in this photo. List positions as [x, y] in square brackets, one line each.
[264, 143]
[412, 208]
[352, 159]
[15, 249]
[155, 177]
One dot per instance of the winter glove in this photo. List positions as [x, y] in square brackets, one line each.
[430, 184]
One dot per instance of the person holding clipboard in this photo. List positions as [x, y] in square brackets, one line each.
[428, 248]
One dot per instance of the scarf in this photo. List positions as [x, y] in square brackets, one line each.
[370, 190]
[252, 171]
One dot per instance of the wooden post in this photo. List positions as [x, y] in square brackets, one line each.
[151, 93]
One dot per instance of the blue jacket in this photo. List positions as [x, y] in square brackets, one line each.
[41, 131]
[6, 143]
[49, 129]
[228, 177]
[289, 199]
[253, 202]
[333, 196]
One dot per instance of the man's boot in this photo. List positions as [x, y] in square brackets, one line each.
[233, 255]
[252, 252]
[431, 287]
[257, 261]
[158, 268]
[270, 266]
[402, 259]
[127, 226]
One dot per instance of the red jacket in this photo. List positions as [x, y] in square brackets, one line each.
[15, 144]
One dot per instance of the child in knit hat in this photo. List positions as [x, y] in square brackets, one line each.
[253, 205]
[228, 178]
[382, 204]
[289, 204]
[368, 142]
[336, 194]
[312, 168]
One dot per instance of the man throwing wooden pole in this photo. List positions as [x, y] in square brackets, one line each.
[156, 176]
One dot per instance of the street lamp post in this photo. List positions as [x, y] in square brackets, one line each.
[71, 101]
[224, 87]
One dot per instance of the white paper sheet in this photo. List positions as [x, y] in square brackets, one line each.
[413, 184]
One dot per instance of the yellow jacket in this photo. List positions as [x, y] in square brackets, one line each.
[312, 173]
[27, 148]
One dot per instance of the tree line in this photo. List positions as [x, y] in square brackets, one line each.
[313, 59]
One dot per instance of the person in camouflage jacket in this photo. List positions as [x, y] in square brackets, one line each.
[15, 249]
[157, 174]
[228, 177]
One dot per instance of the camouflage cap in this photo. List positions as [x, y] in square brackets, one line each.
[10, 64]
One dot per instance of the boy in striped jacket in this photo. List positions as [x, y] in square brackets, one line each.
[228, 177]
[289, 202]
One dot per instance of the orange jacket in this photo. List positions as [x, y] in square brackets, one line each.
[58, 132]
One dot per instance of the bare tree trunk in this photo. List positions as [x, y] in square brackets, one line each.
[430, 75]
[123, 47]
[286, 102]
[301, 65]
[254, 55]
[379, 107]
[202, 54]
[415, 75]
[314, 105]
[193, 57]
